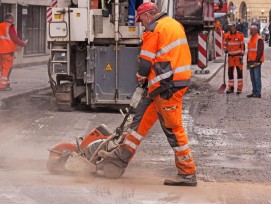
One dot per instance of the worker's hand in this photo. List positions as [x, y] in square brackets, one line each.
[226, 51]
[256, 64]
[25, 42]
[140, 79]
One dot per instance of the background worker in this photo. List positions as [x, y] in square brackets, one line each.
[8, 41]
[255, 58]
[234, 45]
[165, 62]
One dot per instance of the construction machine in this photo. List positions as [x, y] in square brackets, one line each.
[94, 48]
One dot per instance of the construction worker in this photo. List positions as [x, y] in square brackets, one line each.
[255, 58]
[218, 26]
[234, 46]
[8, 41]
[164, 61]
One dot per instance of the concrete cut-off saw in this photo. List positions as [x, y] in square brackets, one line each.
[83, 158]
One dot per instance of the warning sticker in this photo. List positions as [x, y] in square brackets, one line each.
[108, 67]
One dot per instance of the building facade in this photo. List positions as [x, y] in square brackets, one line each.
[250, 10]
[30, 22]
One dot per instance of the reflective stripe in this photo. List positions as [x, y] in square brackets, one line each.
[168, 74]
[254, 49]
[186, 157]
[181, 148]
[234, 43]
[130, 144]
[171, 46]
[147, 54]
[130, 16]
[136, 135]
[235, 52]
[4, 78]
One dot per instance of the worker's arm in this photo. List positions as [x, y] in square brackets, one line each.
[14, 37]
[147, 53]
[260, 50]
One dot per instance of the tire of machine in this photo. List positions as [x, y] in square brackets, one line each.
[112, 171]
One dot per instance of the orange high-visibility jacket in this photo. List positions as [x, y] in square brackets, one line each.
[165, 56]
[7, 45]
[253, 47]
[236, 44]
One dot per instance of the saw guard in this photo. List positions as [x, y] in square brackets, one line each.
[78, 164]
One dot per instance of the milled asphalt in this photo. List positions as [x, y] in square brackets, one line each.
[27, 81]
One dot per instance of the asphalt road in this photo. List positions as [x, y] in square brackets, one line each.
[231, 149]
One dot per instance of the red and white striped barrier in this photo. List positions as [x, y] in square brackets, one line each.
[218, 43]
[202, 50]
[49, 10]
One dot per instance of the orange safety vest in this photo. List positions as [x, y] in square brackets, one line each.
[235, 43]
[7, 45]
[165, 47]
[253, 47]
[218, 26]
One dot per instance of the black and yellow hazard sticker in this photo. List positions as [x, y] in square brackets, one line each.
[108, 67]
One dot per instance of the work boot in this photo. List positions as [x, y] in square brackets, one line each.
[229, 91]
[238, 92]
[254, 96]
[182, 180]
[6, 89]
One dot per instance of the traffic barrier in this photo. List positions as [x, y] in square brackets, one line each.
[218, 38]
[202, 50]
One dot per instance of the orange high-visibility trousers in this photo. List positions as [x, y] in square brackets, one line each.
[235, 61]
[6, 62]
[169, 113]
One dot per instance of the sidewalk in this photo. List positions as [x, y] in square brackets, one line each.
[212, 67]
[24, 82]
[28, 80]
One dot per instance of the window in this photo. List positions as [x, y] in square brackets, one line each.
[34, 29]
[4, 9]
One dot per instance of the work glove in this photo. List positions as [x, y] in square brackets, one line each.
[226, 51]
[141, 80]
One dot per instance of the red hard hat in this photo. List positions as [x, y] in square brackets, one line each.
[147, 6]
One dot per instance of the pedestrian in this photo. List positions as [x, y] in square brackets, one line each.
[240, 26]
[8, 41]
[255, 58]
[234, 46]
[226, 26]
[164, 61]
[269, 28]
[245, 28]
